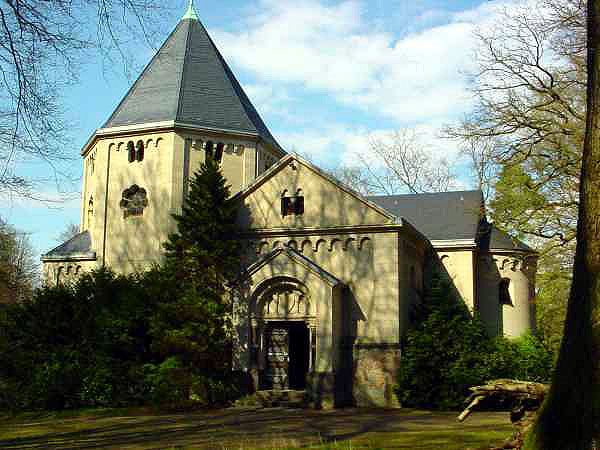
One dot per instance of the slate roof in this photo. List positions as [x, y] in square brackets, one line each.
[189, 82]
[79, 246]
[440, 215]
[500, 240]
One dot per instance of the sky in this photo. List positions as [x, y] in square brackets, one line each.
[324, 75]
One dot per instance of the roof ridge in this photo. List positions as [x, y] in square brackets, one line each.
[180, 88]
[470, 191]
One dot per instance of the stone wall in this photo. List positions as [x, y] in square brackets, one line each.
[375, 371]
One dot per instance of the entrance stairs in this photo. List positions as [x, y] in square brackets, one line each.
[284, 398]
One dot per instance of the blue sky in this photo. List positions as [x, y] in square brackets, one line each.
[325, 75]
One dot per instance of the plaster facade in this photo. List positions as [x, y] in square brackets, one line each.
[514, 315]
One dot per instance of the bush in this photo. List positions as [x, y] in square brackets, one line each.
[524, 358]
[448, 351]
[113, 340]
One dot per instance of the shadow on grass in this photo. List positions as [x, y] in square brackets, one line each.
[259, 428]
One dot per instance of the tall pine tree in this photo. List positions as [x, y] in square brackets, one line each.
[201, 258]
[204, 250]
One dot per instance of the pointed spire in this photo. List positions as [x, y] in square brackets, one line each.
[189, 82]
[191, 12]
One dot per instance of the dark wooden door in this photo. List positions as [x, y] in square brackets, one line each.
[278, 357]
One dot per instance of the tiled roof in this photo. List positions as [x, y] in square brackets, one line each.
[189, 82]
[79, 246]
[440, 215]
[500, 240]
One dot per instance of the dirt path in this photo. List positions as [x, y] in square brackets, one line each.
[248, 428]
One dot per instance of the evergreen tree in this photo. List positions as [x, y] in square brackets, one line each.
[204, 250]
[448, 350]
[192, 322]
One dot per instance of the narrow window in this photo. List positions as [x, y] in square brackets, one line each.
[130, 151]
[92, 163]
[504, 292]
[313, 349]
[90, 212]
[219, 152]
[209, 150]
[139, 151]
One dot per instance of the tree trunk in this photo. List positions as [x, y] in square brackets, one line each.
[570, 416]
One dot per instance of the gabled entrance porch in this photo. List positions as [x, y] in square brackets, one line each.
[294, 327]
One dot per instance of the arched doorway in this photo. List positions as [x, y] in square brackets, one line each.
[283, 334]
[287, 355]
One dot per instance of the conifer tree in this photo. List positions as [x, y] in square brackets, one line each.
[201, 258]
[204, 249]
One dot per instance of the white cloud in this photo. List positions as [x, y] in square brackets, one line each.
[307, 42]
[339, 144]
[335, 48]
[273, 100]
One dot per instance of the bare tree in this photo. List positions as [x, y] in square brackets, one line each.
[402, 163]
[42, 44]
[70, 231]
[19, 269]
[480, 152]
[354, 176]
[530, 99]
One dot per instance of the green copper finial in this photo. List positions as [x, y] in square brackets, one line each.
[190, 13]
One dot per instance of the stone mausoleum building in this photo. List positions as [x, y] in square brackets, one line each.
[330, 274]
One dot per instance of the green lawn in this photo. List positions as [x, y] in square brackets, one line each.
[253, 428]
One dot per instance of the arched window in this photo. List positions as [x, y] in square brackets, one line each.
[130, 151]
[90, 212]
[209, 150]
[219, 152]
[504, 292]
[92, 162]
[139, 151]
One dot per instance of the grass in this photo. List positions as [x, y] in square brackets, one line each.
[253, 428]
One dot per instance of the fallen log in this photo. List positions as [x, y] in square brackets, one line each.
[524, 398]
[522, 395]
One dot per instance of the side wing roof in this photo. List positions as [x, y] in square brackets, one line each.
[439, 216]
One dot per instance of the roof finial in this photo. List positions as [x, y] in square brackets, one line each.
[190, 13]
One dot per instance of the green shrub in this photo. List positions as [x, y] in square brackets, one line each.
[447, 351]
[524, 358]
[115, 340]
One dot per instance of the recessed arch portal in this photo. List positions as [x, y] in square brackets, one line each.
[283, 334]
[281, 298]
